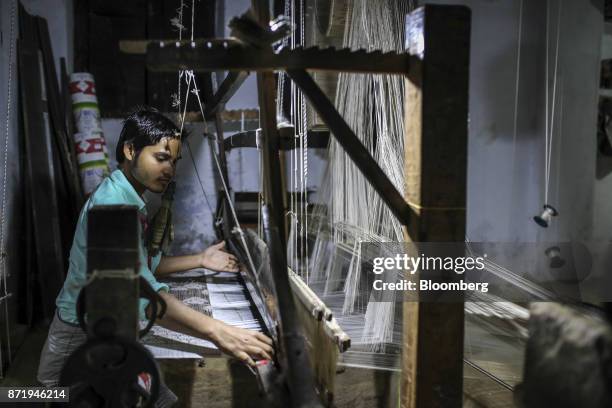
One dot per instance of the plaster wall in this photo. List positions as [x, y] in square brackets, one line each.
[508, 110]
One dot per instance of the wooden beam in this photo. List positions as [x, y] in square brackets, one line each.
[40, 178]
[436, 115]
[57, 115]
[230, 85]
[114, 257]
[229, 54]
[353, 147]
[295, 358]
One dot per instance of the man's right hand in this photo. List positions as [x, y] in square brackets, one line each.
[238, 343]
[242, 344]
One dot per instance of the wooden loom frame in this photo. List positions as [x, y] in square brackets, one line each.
[433, 208]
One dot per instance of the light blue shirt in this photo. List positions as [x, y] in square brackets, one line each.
[115, 189]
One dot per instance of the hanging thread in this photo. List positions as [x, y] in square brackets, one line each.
[3, 252]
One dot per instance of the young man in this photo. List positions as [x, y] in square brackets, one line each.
[147, 152]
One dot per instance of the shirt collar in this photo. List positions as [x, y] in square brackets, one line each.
[128, 190]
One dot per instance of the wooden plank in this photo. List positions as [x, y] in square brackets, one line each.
[226, 53]
[299, 375]
[436, 116]
[68, 119]
[57, 116]
[27, 280]
[41, 178]
[114, 257]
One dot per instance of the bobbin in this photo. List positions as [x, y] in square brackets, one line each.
[554, 255]
[546, 216]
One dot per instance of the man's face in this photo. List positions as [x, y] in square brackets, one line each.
[156, 164]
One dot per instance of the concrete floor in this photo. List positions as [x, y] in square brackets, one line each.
[22, 371]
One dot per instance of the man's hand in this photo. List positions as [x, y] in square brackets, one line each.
[238, 343]
[242, 344]
[216, 258]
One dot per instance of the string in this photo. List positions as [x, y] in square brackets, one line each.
[192, 18]
[552, 119]
[178, 23]
[560, 141]
[372, 105]
[224, 183]
[3, 252]
[188, 78]
[198, 177]
[297, 248]
[546, 104]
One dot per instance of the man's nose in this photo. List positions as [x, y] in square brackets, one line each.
[168, 171]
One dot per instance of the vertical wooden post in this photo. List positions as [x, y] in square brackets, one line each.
[299, 377]
[111, 300]
[436, 115]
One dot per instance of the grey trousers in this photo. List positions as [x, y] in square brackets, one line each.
[62, 340]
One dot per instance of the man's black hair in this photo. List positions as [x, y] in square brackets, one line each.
[144, 127]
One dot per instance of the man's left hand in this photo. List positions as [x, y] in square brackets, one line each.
[217, 259]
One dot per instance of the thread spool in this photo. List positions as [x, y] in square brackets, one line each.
[545, 218]
[554, 255]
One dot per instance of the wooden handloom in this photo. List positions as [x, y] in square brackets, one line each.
[433, 208]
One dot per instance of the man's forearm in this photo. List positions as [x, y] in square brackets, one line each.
[236, 342]
[180, 317]
[172, 264]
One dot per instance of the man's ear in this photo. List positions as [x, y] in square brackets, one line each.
[128, 151]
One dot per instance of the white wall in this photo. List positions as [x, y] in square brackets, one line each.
[60, 19]
[506, 168]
